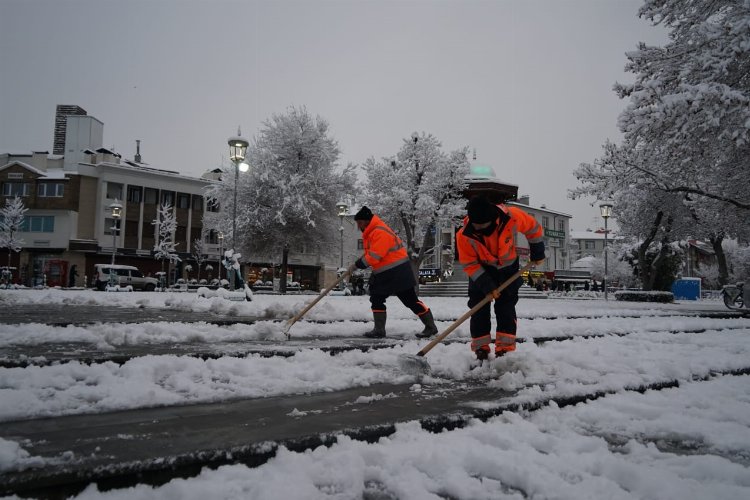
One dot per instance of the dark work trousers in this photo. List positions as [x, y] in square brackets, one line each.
[480, 324]
[407, 297]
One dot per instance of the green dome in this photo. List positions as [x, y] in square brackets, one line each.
[481, 171]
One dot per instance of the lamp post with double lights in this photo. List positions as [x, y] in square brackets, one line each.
[237, 150]
[606, 211]
[115, 209]
[342, 208]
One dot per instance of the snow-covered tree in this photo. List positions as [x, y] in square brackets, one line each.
[738, 260]
[418, 190]
[11, 219]
[288, 197]
[166, 224]
[199, 254]
[687, 125]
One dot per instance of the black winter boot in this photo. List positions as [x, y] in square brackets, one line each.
[482, 354]
[379, 331]
[429, 326]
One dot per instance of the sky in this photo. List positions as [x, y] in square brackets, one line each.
[689, 440]
[527, 84]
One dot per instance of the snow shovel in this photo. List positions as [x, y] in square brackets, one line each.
[417, 364]
[309, 306]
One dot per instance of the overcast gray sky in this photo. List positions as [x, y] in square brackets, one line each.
[528, 83]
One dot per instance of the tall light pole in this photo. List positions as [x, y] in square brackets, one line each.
[606, 211]
[342, 208]
[221, 254]
[116, 212]
[237, 150]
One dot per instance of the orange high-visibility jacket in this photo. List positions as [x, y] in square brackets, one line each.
[383, 249]
[497, 250]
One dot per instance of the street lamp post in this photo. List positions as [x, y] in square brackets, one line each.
[606, 211]
[221, 254]
[237, 150]
[116, 212]
[342, 208]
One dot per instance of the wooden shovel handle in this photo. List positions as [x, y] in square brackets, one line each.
[317, 299]
[473, 310]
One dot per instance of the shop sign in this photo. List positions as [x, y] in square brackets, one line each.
[554, 234]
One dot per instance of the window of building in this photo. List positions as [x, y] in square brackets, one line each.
[114, 191]
[167, 197]
[38, 224]
[589, 245]
[212, 205]
[180, 236]
[545, 221]
[197, 203]
[150, 196]
[51, 189]
[561, 225]
[183, 200]
[135, 193]
[16, 188]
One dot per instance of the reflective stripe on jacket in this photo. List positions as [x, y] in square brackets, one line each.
[383, 248]
[497, 250]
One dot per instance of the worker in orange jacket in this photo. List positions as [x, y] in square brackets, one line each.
[487, 249]
[392, 273]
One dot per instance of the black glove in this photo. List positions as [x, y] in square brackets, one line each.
[536, 251]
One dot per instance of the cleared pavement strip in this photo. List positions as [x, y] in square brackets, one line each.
[154, 445]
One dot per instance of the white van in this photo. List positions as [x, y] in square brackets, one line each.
[126, 275]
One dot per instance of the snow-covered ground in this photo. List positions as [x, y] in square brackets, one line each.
[691, 441]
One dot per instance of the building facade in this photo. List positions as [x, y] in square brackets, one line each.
[68, 226]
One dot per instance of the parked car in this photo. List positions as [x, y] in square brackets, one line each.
[126, 276]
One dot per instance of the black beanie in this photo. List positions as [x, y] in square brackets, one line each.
[363, 214]
[480, 210]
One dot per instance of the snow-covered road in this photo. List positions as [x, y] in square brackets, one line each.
[684, 441]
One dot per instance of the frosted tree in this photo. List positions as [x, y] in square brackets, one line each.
[652, 220]
[417, 191]
[199, 254]
[166, 225]
[11, 219]
[687, 124]
[288, 197]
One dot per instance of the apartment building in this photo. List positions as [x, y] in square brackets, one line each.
[68, 197]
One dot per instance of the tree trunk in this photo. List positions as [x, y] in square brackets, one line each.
[284, 260]
[721, 258]
[654, 267]
[643, 268]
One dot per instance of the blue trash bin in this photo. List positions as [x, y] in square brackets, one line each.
[687, 289]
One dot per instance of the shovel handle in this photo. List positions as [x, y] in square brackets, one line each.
[473, 310]
[309, 306]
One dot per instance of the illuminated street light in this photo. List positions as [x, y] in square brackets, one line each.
[237, 150]
[606, 211]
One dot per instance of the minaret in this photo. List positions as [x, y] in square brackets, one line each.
[138, 151]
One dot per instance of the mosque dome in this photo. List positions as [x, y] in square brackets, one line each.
[479, 171]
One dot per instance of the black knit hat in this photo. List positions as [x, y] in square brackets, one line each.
[480, 210]
[363, 214]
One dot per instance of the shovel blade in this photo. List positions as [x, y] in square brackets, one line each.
[414, 365]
